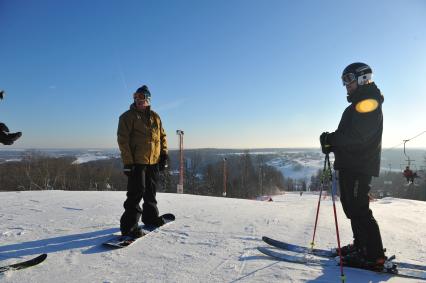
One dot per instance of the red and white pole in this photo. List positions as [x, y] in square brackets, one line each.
[181, 165]
[224, 177]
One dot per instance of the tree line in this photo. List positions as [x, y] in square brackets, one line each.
[247, 176]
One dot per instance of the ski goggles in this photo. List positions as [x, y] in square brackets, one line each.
[142, 96]
[348, 78]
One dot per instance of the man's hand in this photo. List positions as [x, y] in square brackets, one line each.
[325, 145]
[128, 170]
[4, 128]
[164, 161]
[9, 138]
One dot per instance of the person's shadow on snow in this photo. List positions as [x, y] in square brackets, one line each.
[329, 273]
[93, 240]
[332, 274]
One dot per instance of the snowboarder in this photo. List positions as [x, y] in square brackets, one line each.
[143, 146]
[6, 137]
[357, 148]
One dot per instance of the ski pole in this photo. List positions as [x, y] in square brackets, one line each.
[333, 194]
[319, 200]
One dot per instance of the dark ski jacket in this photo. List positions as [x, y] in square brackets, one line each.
[357, 142]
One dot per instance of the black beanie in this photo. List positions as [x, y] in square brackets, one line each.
[143, 89]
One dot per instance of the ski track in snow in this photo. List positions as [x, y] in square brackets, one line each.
[212, 240]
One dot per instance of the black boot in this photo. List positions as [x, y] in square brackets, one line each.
[135, 233]
[359, 260]
[345, 250]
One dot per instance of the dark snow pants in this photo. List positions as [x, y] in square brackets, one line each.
[142, 184]
[354, 188]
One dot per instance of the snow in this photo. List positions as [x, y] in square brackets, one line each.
[213, 239]
[13, 160]
[297, 168]
[89, 157]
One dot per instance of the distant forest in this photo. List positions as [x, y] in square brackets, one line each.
[247, 176]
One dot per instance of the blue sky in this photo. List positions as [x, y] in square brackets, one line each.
[231, 73]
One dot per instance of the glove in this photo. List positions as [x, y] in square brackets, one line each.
[325, 145]
[8, 139]
[164, 161]
[128, 170]
[4, 128]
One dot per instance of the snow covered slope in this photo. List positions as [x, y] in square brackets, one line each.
[212, 240]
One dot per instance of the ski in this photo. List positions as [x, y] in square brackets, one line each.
[325, 253]
[124, 241]
[309, 259]
[296, 248]
[24, 264]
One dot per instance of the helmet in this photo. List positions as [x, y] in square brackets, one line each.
[360, 72]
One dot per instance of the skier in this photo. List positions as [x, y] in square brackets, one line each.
[6, 137]
[357, 148]
[143, 146]
[409, 175]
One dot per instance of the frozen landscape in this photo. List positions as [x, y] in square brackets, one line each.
[212, 240]
[298, 164]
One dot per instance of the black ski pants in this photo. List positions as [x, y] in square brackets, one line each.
[354, 188]
[142, 184]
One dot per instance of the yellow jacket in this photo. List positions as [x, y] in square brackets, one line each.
[141, 137]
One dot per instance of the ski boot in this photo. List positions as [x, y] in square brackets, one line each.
[345, 250]
[359, 260]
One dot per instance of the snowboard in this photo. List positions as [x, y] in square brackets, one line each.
[325, 253]
[23, 264]
[309, 259]
[119, 241]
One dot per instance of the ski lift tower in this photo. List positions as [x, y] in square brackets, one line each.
[180, 184]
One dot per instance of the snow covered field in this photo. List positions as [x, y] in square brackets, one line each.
[84, 158]
[212, 240]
